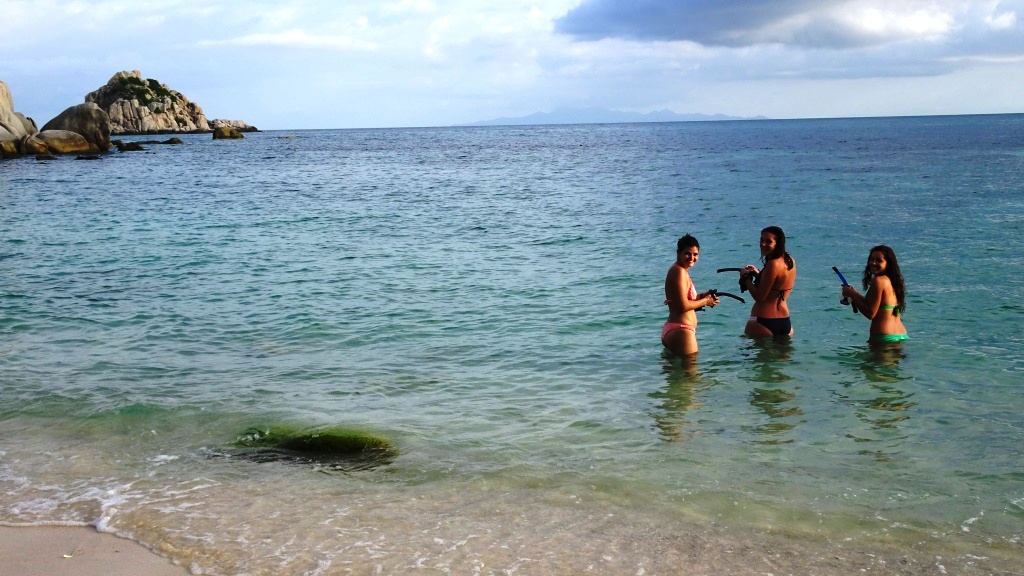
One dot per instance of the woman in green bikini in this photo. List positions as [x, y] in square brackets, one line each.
[885, 299]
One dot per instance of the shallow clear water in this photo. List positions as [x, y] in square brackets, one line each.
[489, 299]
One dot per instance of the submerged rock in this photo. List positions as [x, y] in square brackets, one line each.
[335, 447]
[128, 146]
[226, 133]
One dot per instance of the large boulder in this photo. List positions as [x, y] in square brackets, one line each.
[89, 120]
[240, 125]
[14, 127]
[28, 123]
[226, 133]
[57, 142]
[10, 148]
[137, 106]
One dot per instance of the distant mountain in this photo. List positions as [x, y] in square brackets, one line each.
[603, 116]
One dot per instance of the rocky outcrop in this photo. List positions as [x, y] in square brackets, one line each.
[28, 123]
[239, 125]
[89, 120]
[137, 106]
[14, 126]
[127, 104]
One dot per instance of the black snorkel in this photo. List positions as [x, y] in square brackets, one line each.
[716, 294]
[755, 275]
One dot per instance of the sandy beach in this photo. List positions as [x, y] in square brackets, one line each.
[78, 551]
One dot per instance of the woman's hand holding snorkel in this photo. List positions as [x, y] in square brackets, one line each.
[749, 271]
[710, 298]
[848, 291]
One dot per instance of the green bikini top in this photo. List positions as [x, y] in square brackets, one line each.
[896, 309]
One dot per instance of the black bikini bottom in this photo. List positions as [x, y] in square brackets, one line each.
[777, 326]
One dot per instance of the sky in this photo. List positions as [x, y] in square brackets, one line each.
[373, 64]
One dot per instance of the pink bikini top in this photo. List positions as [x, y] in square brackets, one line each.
[692, 295]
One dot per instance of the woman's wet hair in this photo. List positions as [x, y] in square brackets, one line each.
[780, 246]
[892, 271]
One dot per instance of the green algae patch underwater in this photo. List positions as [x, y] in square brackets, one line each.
[337, 447]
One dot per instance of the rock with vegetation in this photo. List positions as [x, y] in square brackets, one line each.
[137, 106]
[87, 119]
[330, 445]
[127, 104]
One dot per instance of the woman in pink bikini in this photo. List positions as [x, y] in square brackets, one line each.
[679, 334]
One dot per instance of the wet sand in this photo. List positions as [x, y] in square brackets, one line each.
[77, 551]
[82, 551]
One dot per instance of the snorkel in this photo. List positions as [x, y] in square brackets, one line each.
[844, 301]
[716, 294]
[755, 275]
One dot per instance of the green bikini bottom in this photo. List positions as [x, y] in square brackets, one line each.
[888, 338]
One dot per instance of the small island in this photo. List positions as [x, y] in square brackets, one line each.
[127, 104]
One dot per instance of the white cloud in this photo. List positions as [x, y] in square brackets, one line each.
[409, 6]
[1002, 21]
[895, 21]
[436, 38]
[295, 39]
[320, 63]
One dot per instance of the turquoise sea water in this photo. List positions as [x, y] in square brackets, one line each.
[490, 299]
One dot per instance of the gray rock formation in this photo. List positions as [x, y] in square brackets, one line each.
[137, 106]
[127, 104]
[89, 120]
[14, 126]
[239, 125]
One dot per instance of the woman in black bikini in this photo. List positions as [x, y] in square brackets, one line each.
[770, 313]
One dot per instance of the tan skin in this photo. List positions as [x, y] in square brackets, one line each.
[776, 280]
[680, 308]
[880, 293]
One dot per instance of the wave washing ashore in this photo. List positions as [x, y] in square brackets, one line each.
[490, 301]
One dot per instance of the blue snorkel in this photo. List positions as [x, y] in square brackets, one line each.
[845, 301]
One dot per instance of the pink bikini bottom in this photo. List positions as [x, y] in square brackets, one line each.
[670, 326]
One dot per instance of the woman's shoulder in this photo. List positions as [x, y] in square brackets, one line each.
[778, 265]
[881, 283]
